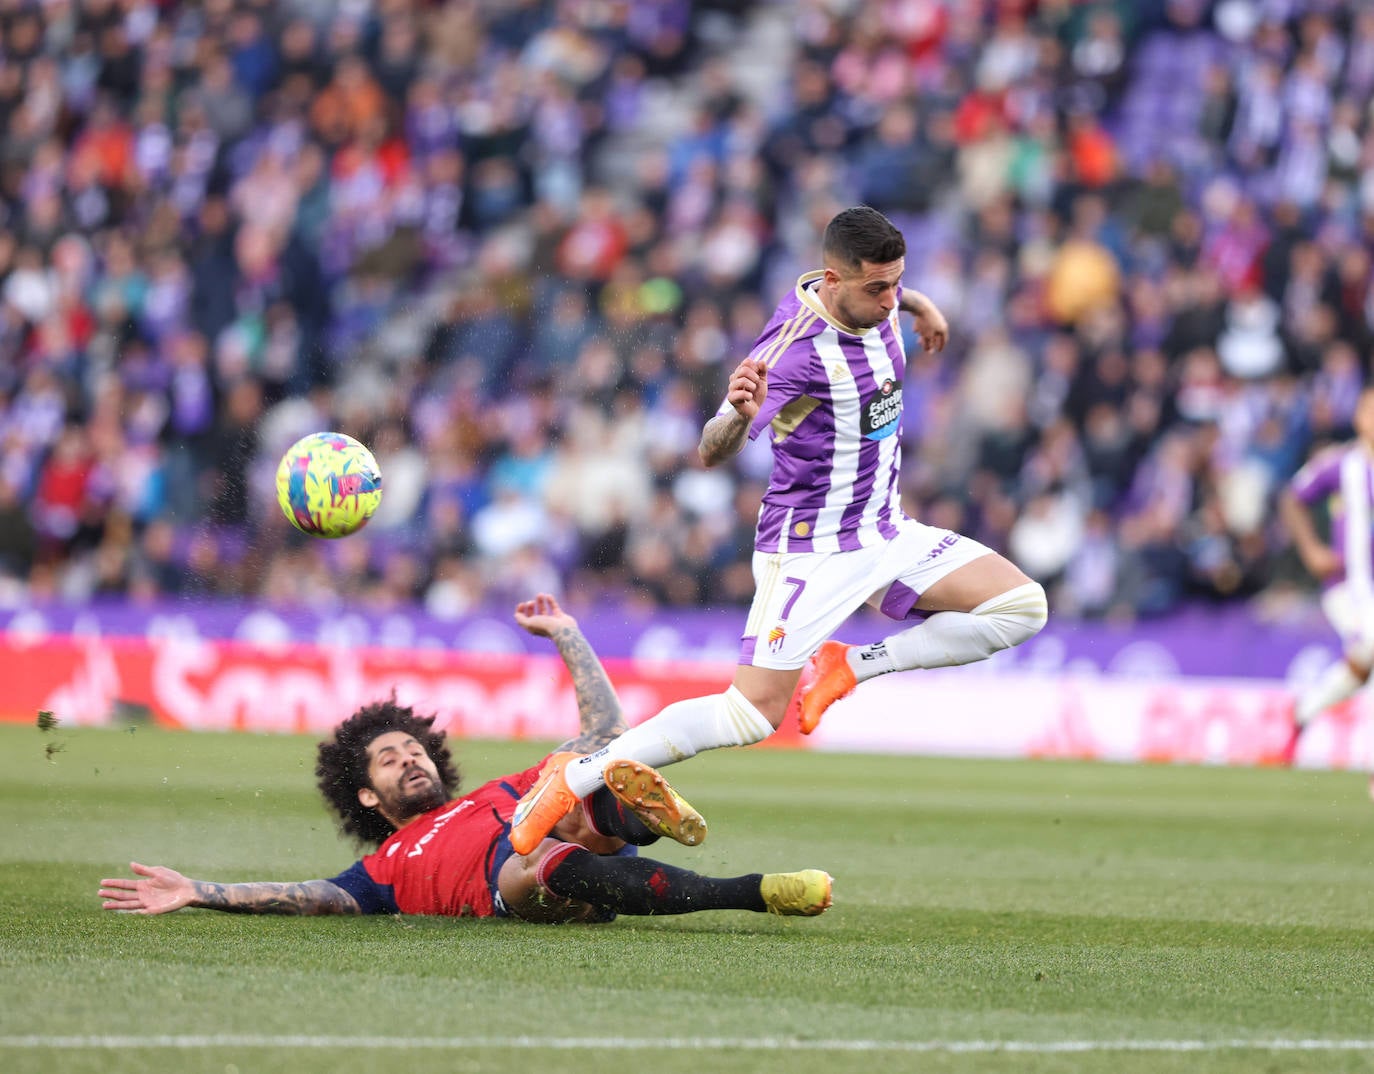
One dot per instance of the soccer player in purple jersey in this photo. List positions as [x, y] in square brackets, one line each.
[824, 381]
[1342, 475]
[389, 778]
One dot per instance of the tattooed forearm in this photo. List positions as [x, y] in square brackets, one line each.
[598, 708]
[304, 898]
[913, 301]
[722, 437]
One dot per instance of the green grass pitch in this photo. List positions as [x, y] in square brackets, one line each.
[989, 916]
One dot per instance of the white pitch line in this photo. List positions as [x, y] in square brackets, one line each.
[766, 1044]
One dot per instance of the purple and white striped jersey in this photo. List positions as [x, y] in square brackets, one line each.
[1345, 477]
[834, 415]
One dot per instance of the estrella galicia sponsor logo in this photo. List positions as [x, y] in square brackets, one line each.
[881, 411]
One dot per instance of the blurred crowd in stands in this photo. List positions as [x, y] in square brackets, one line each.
[516, 245]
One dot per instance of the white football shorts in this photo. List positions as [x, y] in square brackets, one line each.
[801, 598]
[1351, 612]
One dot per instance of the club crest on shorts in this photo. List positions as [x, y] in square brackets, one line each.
[776, 637]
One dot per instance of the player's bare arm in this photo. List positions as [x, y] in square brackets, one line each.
[1316, 555]
[159, 890]
[600, 715]
[725, 434]
[930, 323]
[303, 898]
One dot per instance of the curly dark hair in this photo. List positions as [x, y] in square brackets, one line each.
[341, 766]
[863, 234]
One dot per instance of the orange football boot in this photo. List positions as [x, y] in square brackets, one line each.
[832, 679]
[544, 805]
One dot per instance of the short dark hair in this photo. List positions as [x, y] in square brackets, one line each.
[341, 766]
[862, 234]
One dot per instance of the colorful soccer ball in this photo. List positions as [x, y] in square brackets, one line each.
[328, 485]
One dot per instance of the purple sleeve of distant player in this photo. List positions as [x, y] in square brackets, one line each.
[1320, 477]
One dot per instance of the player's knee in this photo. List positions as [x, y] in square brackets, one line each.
[524, 885]
[1360, 658]
[1019, 614]
[747, 718]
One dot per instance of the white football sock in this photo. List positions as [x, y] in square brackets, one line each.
[870, 661]
[948, 639]
[680, 731]
[1335, 684]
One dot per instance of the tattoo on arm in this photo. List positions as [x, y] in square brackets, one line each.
[722, 437]
[598, 708]
[912, 300]
[305, 898]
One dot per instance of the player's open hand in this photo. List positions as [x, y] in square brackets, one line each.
[160, 891]
[542, 616]
[748, 387]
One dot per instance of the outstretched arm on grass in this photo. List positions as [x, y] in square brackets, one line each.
[160, 890]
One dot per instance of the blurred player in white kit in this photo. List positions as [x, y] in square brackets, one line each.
[1342, 476]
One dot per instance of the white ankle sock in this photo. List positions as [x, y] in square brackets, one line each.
[870, 661]
[1335, 684]
[680, 731]
[948, 639]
